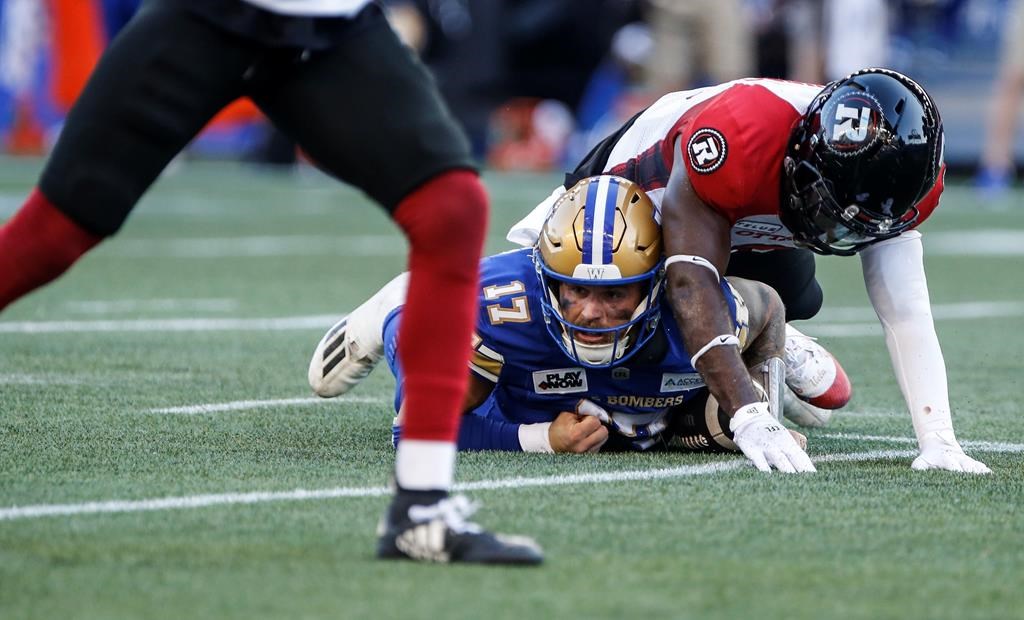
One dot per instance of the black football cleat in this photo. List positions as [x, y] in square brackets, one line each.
[431, 526]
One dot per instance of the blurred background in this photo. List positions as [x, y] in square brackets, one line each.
[537, 82]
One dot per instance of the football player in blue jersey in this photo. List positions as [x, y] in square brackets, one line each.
[574, 349]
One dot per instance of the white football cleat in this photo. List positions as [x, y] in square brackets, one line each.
[813, 373]
[803, 413]
[351, 349]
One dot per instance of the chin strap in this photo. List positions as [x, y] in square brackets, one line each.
[694, 260]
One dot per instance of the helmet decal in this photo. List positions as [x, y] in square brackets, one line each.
[598, 223]
[706, 150]
[852, 120]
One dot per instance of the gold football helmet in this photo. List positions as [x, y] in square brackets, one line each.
[601, 232]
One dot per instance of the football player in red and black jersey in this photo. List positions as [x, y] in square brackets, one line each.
[332, 76]
[752, 177]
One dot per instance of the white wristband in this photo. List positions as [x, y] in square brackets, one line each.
[746, 413]
[717, 341]
[695, 260]
[534, 438]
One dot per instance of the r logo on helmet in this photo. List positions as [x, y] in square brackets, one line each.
[851, 123]
[707, 150]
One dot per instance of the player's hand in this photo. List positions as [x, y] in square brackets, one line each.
[766, 442]
[940, 450]
[642, 431]
[572, 432]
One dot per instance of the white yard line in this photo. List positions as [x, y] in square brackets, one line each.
[170, 325]
[259, 246]
[981, 446]
[983, 242]
[108, 306]
[192, 501]
[947, 311]
[242, 405]
[20, 378]
[841, 330]
[831, 322]
[952, 243]
[871, 414]
[818, 327]
[200, 501]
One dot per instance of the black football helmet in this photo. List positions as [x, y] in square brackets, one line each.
[858, 162]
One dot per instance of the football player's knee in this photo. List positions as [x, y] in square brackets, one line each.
[447, 216]
[805, 305]
[99, 204]
[774, 309]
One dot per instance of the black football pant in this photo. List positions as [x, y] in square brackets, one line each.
[363, 108]
[790, 272]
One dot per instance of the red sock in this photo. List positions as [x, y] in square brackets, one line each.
[445, 221]
[38, 244]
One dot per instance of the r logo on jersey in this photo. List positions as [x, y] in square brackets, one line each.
[851, 123]
[707, 150]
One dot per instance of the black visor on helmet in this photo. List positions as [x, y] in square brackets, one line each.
[820, 223]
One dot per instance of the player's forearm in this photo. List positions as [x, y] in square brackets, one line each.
[703, 316]
[921, 373]
[483, 433]
[896, 284]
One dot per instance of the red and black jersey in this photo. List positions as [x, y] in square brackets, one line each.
[732, 139]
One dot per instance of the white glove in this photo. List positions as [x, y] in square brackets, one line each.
[766, 441]
[940, 450]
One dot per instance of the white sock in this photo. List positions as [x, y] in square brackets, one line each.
[425, 465]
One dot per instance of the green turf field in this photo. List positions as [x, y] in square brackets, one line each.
[170, 365]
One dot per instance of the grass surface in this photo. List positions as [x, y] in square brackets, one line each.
[864, 538]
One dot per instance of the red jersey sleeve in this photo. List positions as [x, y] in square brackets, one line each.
[733, 149]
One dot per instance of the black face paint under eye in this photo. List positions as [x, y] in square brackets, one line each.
[564, 303]
[622, 314]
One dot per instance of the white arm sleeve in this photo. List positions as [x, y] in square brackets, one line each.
[896, 285]
[526, 231]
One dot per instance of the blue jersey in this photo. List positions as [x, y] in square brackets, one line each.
[534, 380]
